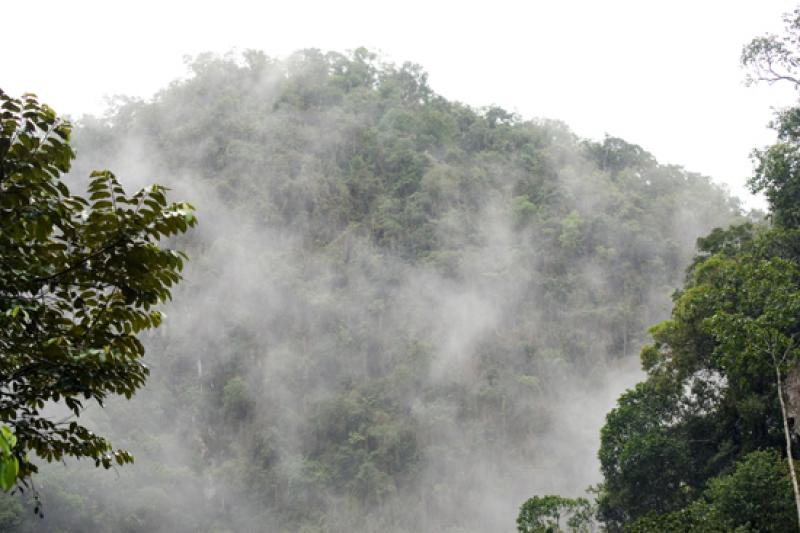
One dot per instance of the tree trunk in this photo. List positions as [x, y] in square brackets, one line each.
[788, 442]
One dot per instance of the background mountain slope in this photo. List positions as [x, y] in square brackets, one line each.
[401, 313]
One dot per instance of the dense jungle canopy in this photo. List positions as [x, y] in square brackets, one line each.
[400, 313]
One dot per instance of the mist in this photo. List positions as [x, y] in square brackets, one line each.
[400, 313]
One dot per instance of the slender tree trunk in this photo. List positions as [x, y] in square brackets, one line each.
[788, 442]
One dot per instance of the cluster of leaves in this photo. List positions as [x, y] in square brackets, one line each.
[9, 464]
[78, 282]
[544, 514]
[755, 496]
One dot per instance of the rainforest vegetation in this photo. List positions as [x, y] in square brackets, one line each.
[402, 313]
[707, 442]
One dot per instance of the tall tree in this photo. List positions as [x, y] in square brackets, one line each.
[772, 59]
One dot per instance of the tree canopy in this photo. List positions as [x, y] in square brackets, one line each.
[79, 279]
[398, 301]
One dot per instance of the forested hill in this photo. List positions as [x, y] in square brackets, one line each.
[401, 313]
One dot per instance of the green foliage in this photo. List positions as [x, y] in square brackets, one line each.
[79, 280]
[646, 461]
[778, 177]
[9, 464]
[710, 397]
[570, 237]
[395, 298]
[545, 514]
[363, 443]
[729, 242]
[756, 319]
[698, 445]
[771, 59]
[755, 496]
[615, 155]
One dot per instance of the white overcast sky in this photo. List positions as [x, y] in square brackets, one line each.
[662, 74]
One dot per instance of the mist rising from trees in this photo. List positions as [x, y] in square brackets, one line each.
[400, 314]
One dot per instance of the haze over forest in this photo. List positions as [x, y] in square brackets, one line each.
[400, 313]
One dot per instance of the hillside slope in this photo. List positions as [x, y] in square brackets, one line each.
[401, 313]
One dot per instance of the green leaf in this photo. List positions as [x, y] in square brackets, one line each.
[9, 469]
